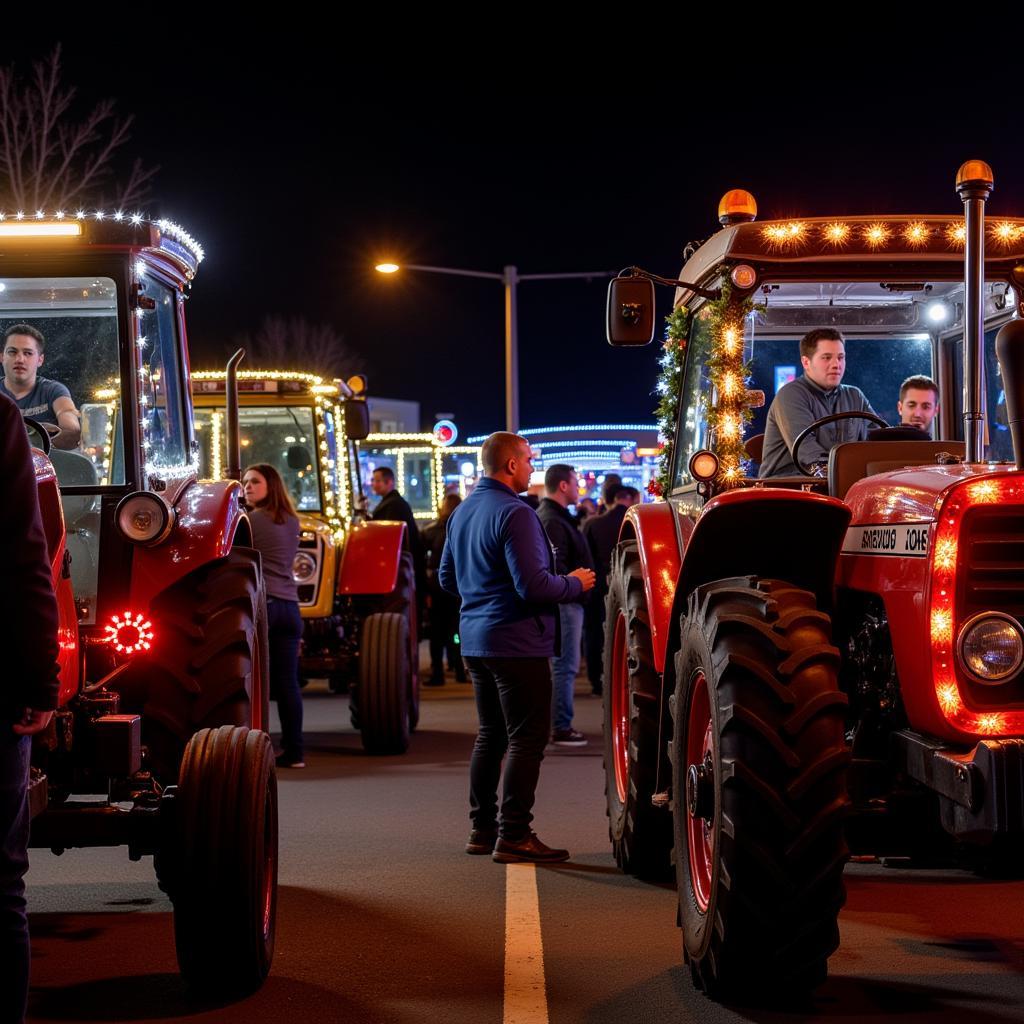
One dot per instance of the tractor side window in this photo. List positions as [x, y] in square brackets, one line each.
[161, 407]
[692, 428]
[998, 443]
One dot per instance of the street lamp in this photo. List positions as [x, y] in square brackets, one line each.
[510, 278]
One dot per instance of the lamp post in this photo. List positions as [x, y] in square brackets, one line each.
[510, 278]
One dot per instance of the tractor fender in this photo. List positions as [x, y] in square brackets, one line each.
[370, 560]
[209, 521]
[771, 532]
[654, 529]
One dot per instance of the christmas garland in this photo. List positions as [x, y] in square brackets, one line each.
[730, 413]
[728, 374]
[669, 387]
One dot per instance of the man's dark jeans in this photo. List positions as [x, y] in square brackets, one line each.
[513, 703]
[284, 622]
[14, 824]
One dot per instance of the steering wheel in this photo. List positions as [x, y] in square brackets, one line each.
[834, 418]
[37, 435]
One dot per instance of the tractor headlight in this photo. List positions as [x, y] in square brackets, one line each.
[991, 647]
[144, 518]
[303, 567]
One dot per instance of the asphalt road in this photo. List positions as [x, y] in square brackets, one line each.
[383, 918]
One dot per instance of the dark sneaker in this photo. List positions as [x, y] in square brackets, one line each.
[528, 850]
[287, 761]
[568, 738]
[434, 681]
[481, 841]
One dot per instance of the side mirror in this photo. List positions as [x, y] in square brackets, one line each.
[299, 457]
[630, 311]
[357, 420]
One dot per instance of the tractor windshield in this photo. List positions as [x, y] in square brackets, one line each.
[892, 330]
[285, 436]
[61, 363]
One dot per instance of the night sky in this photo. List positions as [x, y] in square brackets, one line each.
[298, 174]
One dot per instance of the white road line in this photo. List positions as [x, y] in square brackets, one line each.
[526, 1000]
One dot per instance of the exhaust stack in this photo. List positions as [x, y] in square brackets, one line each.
[974, 183]
[234, 471]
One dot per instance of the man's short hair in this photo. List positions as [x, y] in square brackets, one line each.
[612, 482]
[809, 342]
[29, 330]
[387, 472]
[498, 449]
[557, 474]
[920, 382]
[627, 492]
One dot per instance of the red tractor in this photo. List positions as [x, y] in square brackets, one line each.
[802, 666]
[158, 741]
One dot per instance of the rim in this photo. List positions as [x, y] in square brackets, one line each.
[700, 832]
[620, 709]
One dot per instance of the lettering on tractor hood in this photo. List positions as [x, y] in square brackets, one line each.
[904, 541]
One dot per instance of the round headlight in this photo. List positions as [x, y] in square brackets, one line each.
[303, 567]
[703, 465]
[744, 276]
[991, 647]
[143, 518]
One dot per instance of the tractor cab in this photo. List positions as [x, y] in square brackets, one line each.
[105, 298]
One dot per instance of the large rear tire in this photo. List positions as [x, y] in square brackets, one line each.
[759, 761]
[222, 871]
[384, 683]
[641, 834]
[209, 664]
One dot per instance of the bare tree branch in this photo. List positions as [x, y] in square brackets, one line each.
[296, 344]
[49, 157]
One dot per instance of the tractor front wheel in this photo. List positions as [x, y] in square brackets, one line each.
[759, 761]
[384, 683]
[221, 869]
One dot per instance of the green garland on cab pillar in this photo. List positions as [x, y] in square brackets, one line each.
[728, 374]
[669, 389]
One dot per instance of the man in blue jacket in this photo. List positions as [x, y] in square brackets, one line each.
[498, 560]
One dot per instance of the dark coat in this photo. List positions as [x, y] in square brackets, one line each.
[498, 559]
[28, 607]
[602, 534]
[571, 550]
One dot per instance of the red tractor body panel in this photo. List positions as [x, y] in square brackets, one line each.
[898, 547]
[369, 563]
[208, 516]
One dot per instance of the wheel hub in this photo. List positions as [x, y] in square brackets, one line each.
[700, 790]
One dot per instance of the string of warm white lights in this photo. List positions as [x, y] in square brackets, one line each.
[166, 227]
[880, 234]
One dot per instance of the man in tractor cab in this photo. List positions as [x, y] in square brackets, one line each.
[919, 402]
[818, 393]
[47, 401]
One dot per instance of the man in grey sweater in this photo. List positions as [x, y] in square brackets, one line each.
[819, 392]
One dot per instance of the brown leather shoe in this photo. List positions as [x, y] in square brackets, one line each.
[481, 841]
[529, 849]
